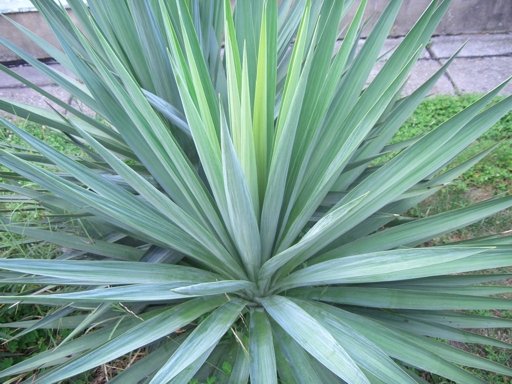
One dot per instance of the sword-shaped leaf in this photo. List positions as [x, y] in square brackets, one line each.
[314, 338]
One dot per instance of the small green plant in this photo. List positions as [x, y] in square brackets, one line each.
[236, 206]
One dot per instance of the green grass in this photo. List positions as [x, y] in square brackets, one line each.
[48, 135]
[13, 245]
[495, 172]
[490, 177]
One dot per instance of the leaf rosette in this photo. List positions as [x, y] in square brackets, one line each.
[235, 205]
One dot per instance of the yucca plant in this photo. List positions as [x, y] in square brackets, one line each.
[238, 203]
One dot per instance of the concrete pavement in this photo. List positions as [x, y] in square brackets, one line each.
[484, 62]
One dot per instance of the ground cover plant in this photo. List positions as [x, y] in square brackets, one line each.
[230, 210]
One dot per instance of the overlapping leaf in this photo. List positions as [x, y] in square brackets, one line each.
[226, 213]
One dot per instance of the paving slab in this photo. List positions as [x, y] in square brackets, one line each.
[29, 72]
[28, 96]
[443, 47]
[388, 48]
[477, 75]
[421, 72]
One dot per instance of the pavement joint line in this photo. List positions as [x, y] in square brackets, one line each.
[473, 57]
[23, 86]
[446, 73]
